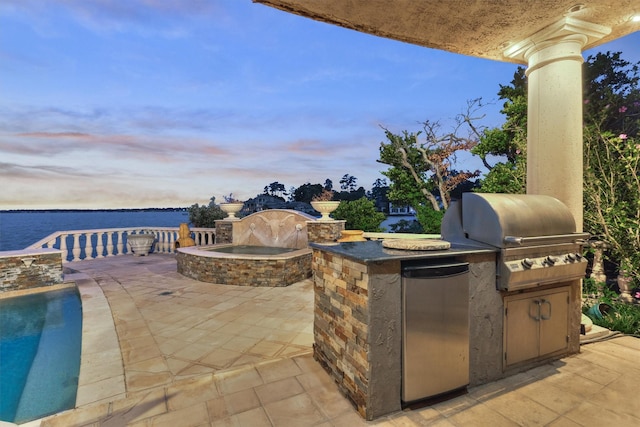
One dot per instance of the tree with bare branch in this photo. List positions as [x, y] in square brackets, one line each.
[421, 172]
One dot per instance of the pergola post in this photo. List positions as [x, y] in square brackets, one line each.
[554, 113]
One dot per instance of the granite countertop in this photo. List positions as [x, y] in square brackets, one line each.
[372, 251]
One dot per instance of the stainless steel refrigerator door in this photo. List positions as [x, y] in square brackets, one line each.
[435, 325]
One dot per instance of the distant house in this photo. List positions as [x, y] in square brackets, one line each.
[401, 210]
[264, 201]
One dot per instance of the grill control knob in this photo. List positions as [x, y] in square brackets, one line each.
[550, 260]
[571, 257]
[527, 263]
[578, 256]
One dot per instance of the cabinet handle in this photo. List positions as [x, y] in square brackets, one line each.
[542, 316]
[536, 315]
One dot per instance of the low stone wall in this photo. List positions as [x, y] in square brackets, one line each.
[32, 268]
[245, 271]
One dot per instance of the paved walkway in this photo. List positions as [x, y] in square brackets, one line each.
[163, 350]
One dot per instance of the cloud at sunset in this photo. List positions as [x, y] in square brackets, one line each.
[144, 103]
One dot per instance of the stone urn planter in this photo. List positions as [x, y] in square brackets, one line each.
[140, 244]
[232, 209]
[325, 208]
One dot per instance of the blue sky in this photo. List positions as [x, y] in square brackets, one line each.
[114, 104]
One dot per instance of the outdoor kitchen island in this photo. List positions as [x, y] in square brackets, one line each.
[358, 316]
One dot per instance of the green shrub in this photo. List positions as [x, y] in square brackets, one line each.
[360, 214]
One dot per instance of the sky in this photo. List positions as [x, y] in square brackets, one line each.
[152, 103]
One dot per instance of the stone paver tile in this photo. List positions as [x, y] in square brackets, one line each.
[616, 397]
[589, 414]
[258, 331]
[233, 328]
[169, 346]
[211, 325]
[590, 371]
[481, 415]
[240, 344]
[487, 391]
[575, 384]
[311, 380]
[193, 352]
[177, 365]
[215, 339]
[289, 351]
[558, 400]
[304, 339]
[194, 369]
[142, 380]
[91, 372]
[191, 416]
[126, 332]
[278, 390]
[189, 392]
[192, 335]
[307, 363]
[454, 405]
[254, 418]
[563, 422]
[353, 419]
[521, 409]
[138, 342]
[280, 336]
[231, 404]
[136, 407]
[220, 358]
[248, 359]
[238, 380]
[266, 348]
[296, 410]
[99, 390]
[138, 354]
[331, 403]
[77, 418]
[279, 369]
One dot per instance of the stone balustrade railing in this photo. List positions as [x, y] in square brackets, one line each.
[105, 242]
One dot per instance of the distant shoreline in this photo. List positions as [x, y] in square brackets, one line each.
[95, 210]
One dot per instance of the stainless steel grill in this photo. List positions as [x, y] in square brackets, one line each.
[534, 234]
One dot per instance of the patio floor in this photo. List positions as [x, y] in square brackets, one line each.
[160, 349]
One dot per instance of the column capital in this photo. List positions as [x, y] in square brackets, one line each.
[566, 29]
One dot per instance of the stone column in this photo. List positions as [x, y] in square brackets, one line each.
[554, 115]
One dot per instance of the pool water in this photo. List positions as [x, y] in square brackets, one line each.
[40, 345]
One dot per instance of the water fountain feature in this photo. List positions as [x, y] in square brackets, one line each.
[275, 228]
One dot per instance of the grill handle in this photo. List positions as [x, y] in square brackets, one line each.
[555, 238]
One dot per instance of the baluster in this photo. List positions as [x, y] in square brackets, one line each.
[120, 246]
[76, 247]
[99, 245]
[166, 238]
[166, 241]
[212, 237]
[88, 246]
[110, 243]
[158, 244]
[63, 247]
[173, 238]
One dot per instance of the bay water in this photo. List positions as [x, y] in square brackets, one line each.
[19, 229]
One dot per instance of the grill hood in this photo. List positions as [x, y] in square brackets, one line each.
[503, 220]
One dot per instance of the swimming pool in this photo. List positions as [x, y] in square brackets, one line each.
[40, 344]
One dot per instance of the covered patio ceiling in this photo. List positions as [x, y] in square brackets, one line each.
[481, 28]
